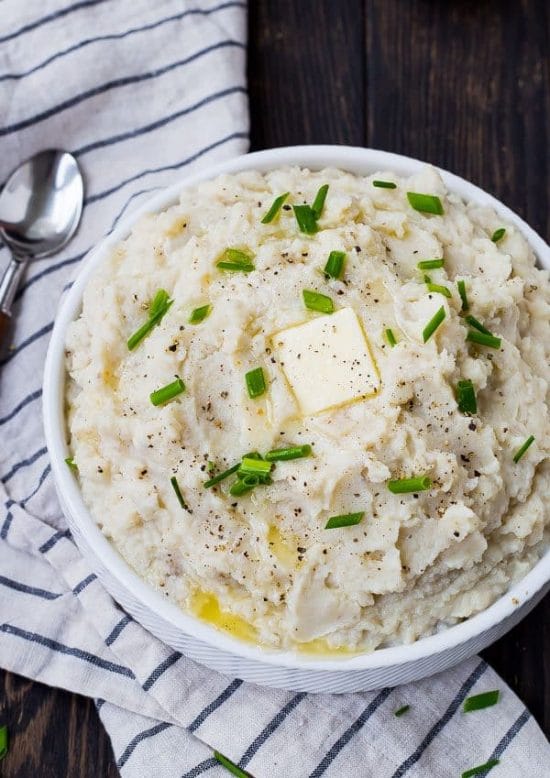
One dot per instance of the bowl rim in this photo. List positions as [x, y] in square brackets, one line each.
[357, 160]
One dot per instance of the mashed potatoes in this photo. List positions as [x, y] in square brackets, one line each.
[252, 552]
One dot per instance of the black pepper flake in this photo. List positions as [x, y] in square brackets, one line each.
[173, 347]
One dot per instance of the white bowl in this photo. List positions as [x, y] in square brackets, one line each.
[195, 638]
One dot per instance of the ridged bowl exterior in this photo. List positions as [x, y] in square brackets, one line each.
[187, 634]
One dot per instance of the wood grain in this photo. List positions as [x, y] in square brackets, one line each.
[464, 85]
[53, 734]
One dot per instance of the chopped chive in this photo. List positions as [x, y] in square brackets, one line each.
[462, 292]
[405, 485]
[483, 339]
[306, 218]
[4, 741]
[473, 322]
[140, 333]
[480, 701]
[158, 307]
[72, 464]
[390, 337]
[402, 710]
[235, 267]
[253, 455]
[236, 261]
[466, 396]
[176, 488]
[498, 234]
[430, 264]
[275, 208]
[317, 302]
[221, 476]
[426, 203]
[244, 484]
[250, 466]
[438, 289]
[521, 451]
[292, 452]
[200, 314]
[481, 768]
[335, 264]
[237, 255]
[346, 520]
[319, 202]
[433, 324]
[158, 304]
[384, 184]
[255, 382]
[229, 765]
[168, 392]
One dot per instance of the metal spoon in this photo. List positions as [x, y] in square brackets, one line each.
[40, 209]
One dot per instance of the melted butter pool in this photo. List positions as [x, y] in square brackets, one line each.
[206, 606]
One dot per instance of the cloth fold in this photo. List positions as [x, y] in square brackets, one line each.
[143, 93]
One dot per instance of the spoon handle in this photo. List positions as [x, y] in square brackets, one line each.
[5, 323]
[8, 287]
[10, 283]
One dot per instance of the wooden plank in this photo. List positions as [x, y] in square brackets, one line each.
[52, 733]
[466, 86]
[305, 70]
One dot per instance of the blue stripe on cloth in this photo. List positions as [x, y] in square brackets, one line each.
[61, 648]
[6, 526]
[23, 404]
[84, 583]
[110, 639]
[146, 733]
[127, 203]
[164, 168]
[120, 35]
[215, 704]
[46, 272]
[55, 538]
[159, 122]
[23, 463]
[45, 474]
[117, 83]
[266, 733]
[202, 767]
[21, 587]
[49, 18]
[160, 670]
[331, 755]
[503, 744]
[443, 721]
[31, 339]
[52, 268]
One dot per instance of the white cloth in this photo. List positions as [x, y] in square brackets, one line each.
[144, 92]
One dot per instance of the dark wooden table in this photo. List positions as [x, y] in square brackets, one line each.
[462, 84]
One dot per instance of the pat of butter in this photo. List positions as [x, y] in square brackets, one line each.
[327, 361]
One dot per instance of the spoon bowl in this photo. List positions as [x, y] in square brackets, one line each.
[41, 204]
[40, 209]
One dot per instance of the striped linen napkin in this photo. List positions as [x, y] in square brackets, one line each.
[142, 93]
